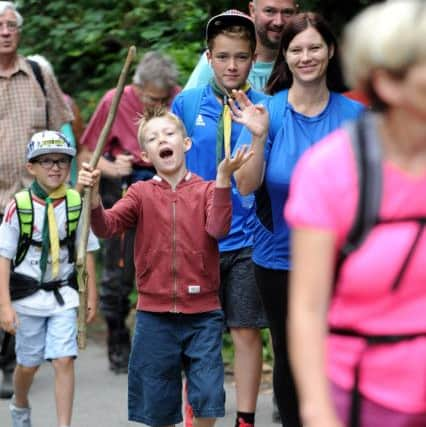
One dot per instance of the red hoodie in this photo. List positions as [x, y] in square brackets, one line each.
[176, 253]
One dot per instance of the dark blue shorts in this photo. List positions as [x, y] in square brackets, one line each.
[164, 345]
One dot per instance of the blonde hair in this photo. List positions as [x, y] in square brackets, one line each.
[154, 113]
[389, 35]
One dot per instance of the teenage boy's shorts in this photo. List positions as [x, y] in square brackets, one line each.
[46, 338]
[164, 345]
[238, 291]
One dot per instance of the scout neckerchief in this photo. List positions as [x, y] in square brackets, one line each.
[223, 135]
[50, 237]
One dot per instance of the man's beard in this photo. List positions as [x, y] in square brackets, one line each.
[262, 34]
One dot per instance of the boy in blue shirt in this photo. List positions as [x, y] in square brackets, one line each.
[231, 41]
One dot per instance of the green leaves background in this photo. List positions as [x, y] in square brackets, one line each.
[87, 40]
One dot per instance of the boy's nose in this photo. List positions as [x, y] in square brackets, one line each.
[232, 65]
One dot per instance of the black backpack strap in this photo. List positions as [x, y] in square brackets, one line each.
[35, 66]
[368, 156]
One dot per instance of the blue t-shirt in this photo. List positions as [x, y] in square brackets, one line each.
[290, 135]
[203, 73]
[201, 159]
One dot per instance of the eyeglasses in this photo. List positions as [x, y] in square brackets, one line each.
[12, 26]
[47, 163]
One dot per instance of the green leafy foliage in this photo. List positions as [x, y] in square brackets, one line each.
[87, 41]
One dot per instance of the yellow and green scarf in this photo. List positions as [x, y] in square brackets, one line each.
[50, 235]
[223, 135]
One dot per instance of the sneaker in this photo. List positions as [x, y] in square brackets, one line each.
[242, 423]
[21, 417]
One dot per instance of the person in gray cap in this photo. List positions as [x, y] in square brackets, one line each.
[38, 285]
[30, 101]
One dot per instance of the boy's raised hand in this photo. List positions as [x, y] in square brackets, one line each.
[228, 165]
[254, 117]
[89, 177]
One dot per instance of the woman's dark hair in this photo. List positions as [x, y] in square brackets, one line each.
[281, 77]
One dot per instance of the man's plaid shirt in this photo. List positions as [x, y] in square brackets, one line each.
[22, 113]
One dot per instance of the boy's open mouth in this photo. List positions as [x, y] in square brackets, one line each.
[166, 152]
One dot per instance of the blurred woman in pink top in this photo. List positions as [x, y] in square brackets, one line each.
[358, 343]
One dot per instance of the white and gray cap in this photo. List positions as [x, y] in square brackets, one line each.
[47, 142]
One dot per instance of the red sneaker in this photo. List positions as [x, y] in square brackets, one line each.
[242, 423]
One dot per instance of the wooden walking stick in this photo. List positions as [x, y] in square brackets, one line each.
[82, 246]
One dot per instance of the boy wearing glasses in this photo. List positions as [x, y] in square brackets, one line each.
[22, 97]
[38, 290]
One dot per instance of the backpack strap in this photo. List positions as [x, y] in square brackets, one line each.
[73, 209]
[35, 66]
[191, 102]
[368, 157]
[25, 211]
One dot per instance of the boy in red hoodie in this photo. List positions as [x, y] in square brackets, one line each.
[178, 218]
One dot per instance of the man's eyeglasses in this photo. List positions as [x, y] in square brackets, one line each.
[11, 26]
[47, 163]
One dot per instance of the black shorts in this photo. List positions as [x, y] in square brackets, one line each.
[238, 291]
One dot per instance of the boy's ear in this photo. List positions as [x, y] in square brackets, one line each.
[145, 157]
[187, 142]
[209, 56]
[30, 168]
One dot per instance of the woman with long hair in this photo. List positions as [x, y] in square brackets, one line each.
[304, 107]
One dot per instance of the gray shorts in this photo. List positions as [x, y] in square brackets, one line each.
[238, 291]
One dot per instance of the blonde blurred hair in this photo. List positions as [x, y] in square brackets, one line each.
[389, 36]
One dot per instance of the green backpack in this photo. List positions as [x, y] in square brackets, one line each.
[25, 211]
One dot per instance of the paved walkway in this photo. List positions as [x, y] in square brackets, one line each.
[101, 396]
